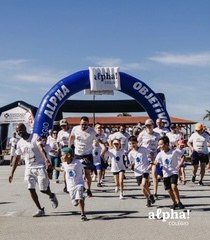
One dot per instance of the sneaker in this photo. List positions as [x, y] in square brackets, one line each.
[65, 190]
[151, 197]
[200, 183]
[99, 185]
[54, 201]
[180, 205]
[148, 203]
[94, 178]
[83, 218]
[89, 193]
[193, 178]
[174, 206]
[156, 196]
[116, 189]
[39, 213]
[121, 196]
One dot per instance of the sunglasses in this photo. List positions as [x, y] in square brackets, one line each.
[85, 124]
[148, 125]
[55, 133]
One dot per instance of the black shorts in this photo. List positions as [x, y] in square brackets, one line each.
[104, 164]
[139, 178]
[199, 157]
[115, 173]
[89, 157]
[173, 179]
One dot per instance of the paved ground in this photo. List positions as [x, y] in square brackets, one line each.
[109, 217]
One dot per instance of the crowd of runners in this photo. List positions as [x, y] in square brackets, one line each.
[79, 155]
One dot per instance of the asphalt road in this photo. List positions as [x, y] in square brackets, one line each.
[109, 217]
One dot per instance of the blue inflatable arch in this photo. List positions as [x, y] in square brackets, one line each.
[78, 81]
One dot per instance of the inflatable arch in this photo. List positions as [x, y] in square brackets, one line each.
[79, 81]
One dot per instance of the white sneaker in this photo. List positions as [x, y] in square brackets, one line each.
[94, 178]
[54, 201]
[39, 213]
[116, 189]
[121, 196]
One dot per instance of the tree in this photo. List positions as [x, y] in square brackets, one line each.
[124, 114]
[207, 116]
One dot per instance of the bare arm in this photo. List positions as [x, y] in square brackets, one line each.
[71, 140]
[43, 153]
[14, 166]
[190, 145]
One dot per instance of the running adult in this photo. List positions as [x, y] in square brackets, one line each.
[161, 129]
[82, 136]
[36, 164]
[198, 143]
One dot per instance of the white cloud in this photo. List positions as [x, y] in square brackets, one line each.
[11, 63]
[115, 62]
[199, 59]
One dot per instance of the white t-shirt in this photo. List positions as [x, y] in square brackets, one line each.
[169, 160]
[63, 137]
[123, 139]
[199, 142]
[174, 137]
[74, 173]
[83, 140]
[30, 152]
[53, 146]
[140, 160]
[96, 155]
[161, 131]
[116, 157]
[149, 141]
[13, 145]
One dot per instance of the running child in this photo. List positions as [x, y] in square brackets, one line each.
[138, 157]
[74, 178]
[169, 161]
[116, 155]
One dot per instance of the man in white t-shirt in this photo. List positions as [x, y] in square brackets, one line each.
[36, 164]
[82, 136]
[160, 127]
[122, 135]
[198, 143]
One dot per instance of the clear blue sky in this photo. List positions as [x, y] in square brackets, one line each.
[164, 43]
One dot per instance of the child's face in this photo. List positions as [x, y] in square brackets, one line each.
[65, 157]
[162, 146]
[133, 144]
[116, 145]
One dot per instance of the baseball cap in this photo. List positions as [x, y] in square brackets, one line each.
[173, 125]
[63, 122]
[181, 142]
[198, 127]
[67, 150]
[149, 122]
